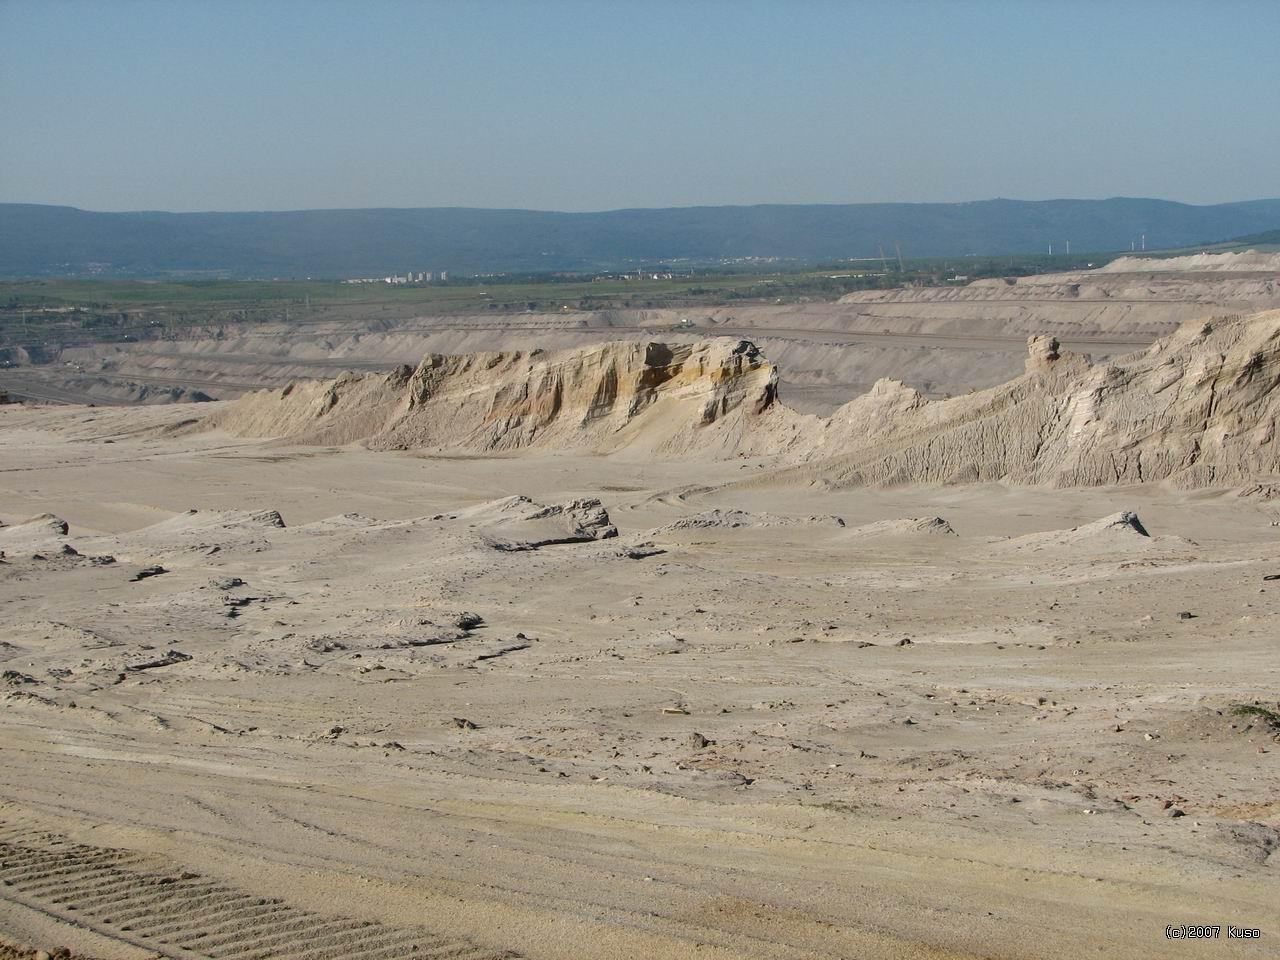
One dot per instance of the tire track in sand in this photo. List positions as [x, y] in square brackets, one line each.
[185, 916]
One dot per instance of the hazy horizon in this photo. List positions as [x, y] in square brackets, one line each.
[574, 107]
[690, 206]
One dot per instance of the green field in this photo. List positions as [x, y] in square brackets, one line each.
[36, 313]
[233, 295]
[80, 311]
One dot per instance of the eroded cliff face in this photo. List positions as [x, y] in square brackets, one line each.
[1198, 408]
[665, 398]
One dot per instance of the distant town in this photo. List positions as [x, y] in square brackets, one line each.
[428, 276]
[422, 276]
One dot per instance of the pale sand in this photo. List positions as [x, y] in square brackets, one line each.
[307, 750]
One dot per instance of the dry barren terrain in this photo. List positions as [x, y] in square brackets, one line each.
[609, 652]
[755, 723]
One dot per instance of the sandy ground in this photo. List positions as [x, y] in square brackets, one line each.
[407, 719]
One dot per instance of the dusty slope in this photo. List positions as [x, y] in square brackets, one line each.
[346, 721]
[1247, 261]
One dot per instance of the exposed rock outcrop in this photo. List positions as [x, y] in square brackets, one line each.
[518, 523]
[45, 532]
[650, 397]
[1198, 408]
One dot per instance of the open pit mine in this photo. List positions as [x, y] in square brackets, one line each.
[623, 639]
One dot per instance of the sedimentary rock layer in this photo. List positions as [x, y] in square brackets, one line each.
[1198, 408]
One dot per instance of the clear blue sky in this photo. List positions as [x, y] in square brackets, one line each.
[187, 105]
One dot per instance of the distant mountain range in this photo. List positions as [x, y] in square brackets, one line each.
[40, 240]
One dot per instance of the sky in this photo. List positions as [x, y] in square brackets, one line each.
[274, 105]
